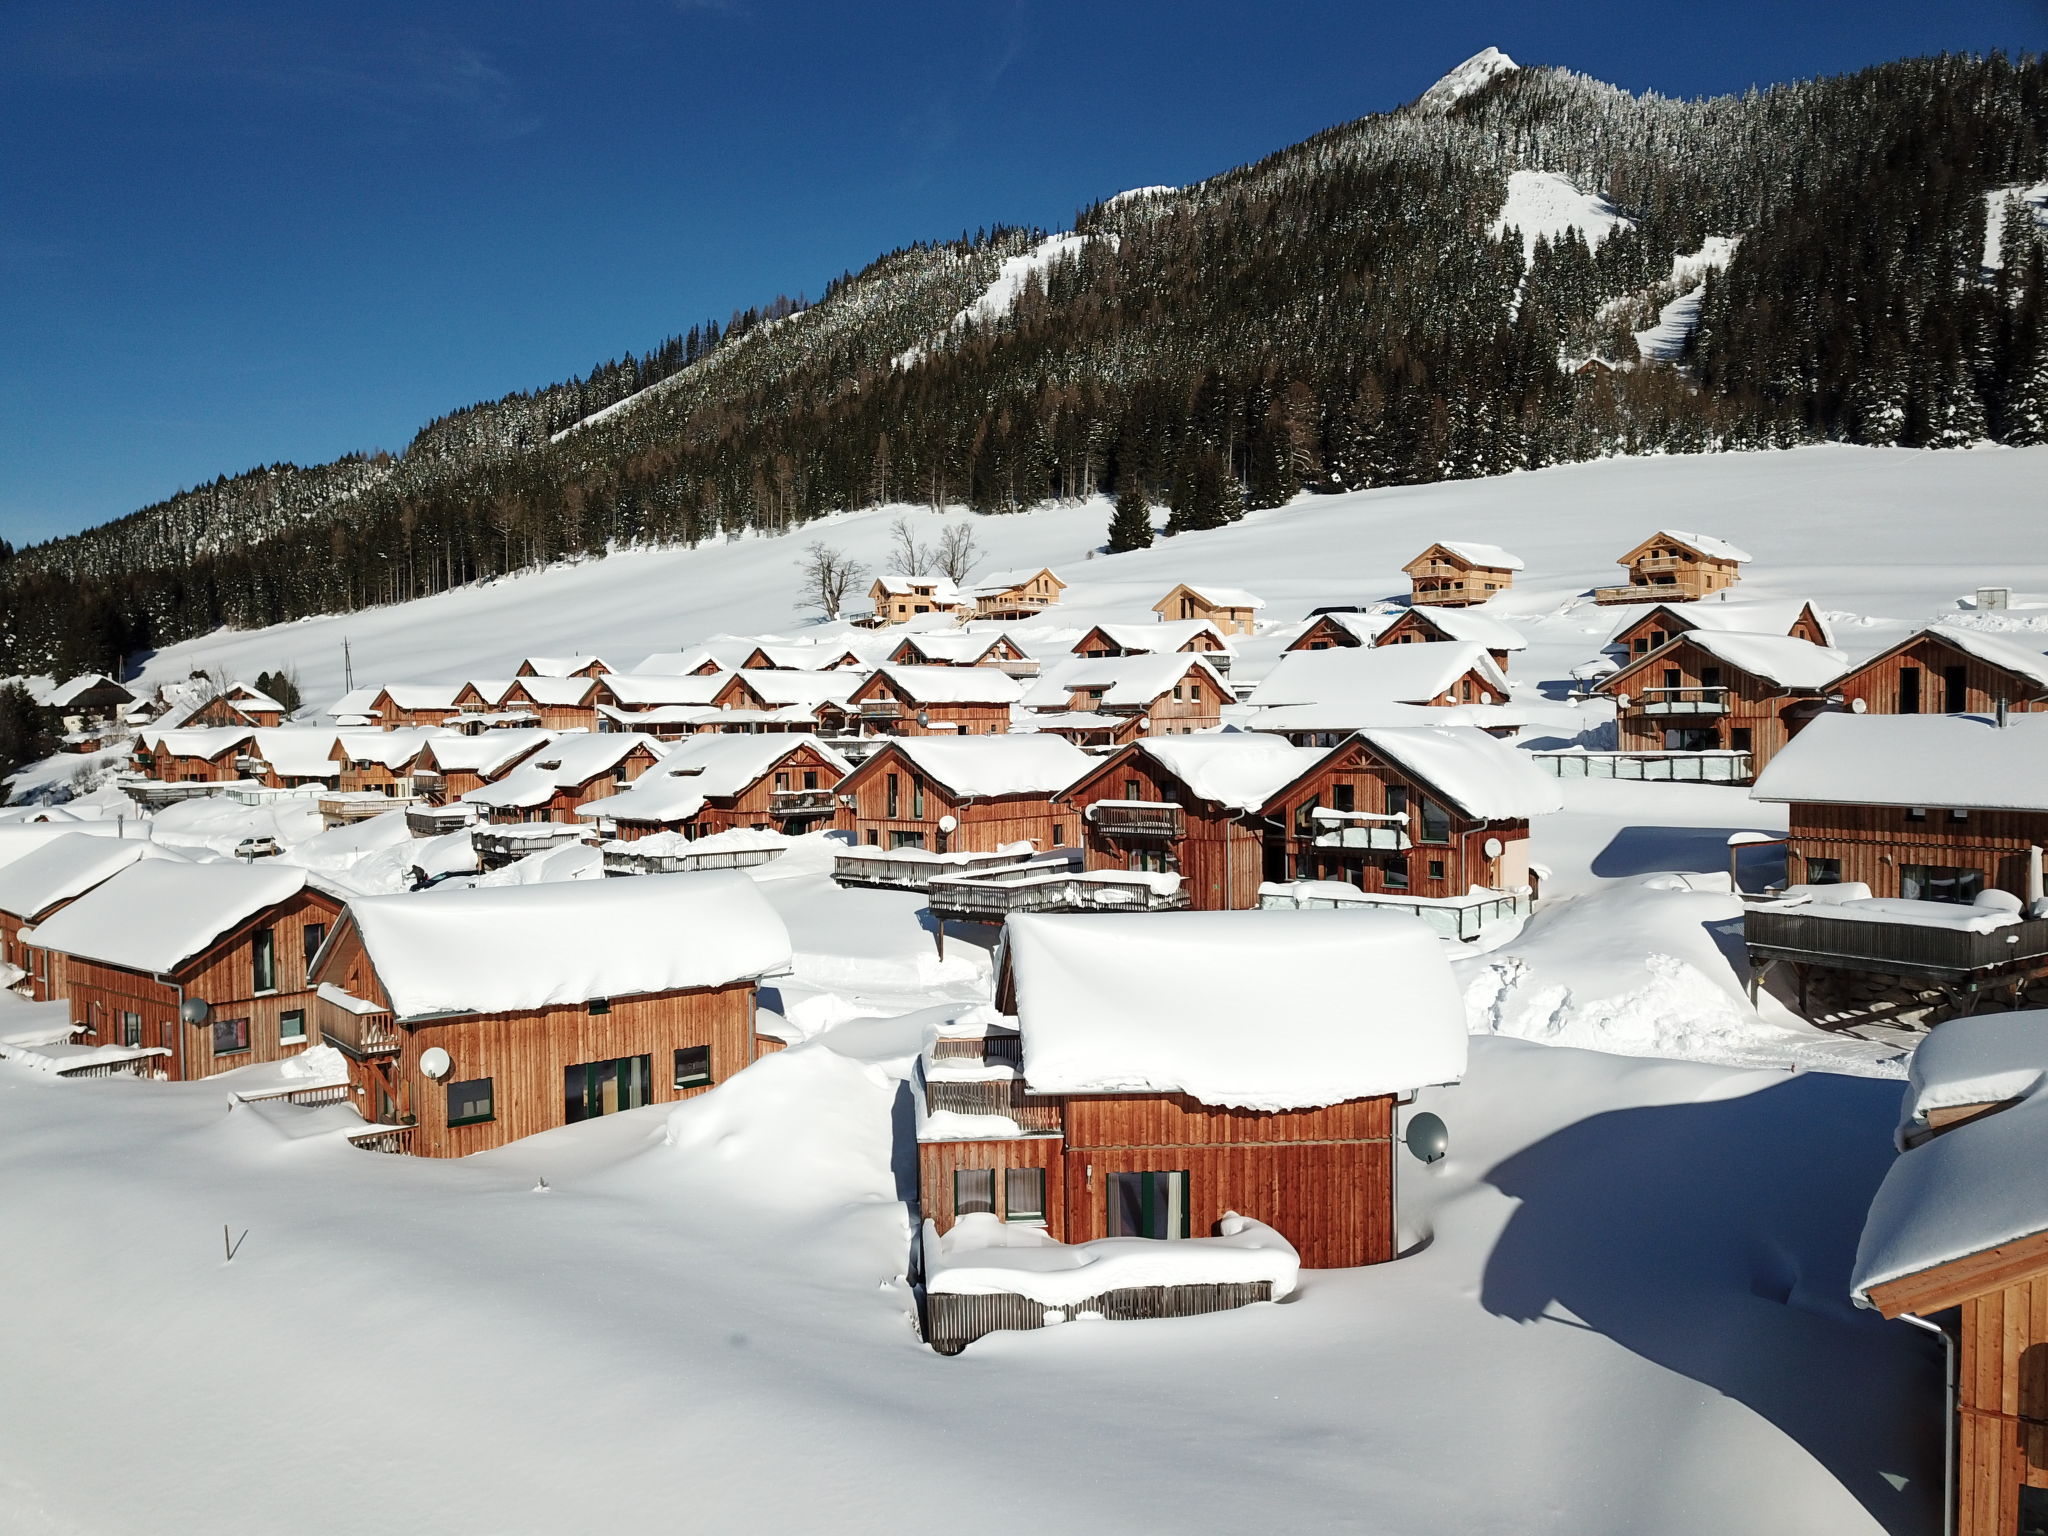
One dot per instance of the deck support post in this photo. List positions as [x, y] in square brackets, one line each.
[940, 924]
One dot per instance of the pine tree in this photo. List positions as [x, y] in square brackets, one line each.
[1130, 525]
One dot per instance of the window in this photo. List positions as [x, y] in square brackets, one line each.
[131, 1029]
[593, 1088]
[810, 778]
[874, 837]
[1394, 874]
[1909, 690]
[1710, 677]
[693, 1066]
[917, 797]
[291, 1026]
[598, 1005]
[1150, 860]
[1304, 817]
[974, 1191]
[1657, 638]
[1133, 790]
[1671, 677]
[1148, 1205]
[1436, 823]
[1937, 882]
[1955, 690]
[1959, 815]
[782, 781]
[895, 803]
[229, 1036]
[901, 839]
[1436, 869]
[1739, 738]
[1397, 799]
[1343, 797]
[1640, 646]
[1024, 1194]
[1916, 813]
[1059, 834]
[470, 1103]
[315, 934]
[1823, 871]
[263, 958]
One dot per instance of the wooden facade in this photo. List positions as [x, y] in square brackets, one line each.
[122, 1006]
[1666, 569]
[896, 804]
[221, 710]
[1100, 642]
[414, 705]
[794, 794]
[1416, 627]
[1447, 578]
[1234, 613]
[567, 797]
[170, 767]
[1192, 702]
[559, 703]
[1218, 853]
[886, 706]
[1434, 850]
[1661, 623]
[1684, 698]
[898, 599]
[1927, 674]
[1329, 632]
[1018, 598]
[1888, 846]
[526, 1056]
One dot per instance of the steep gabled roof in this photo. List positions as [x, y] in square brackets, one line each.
[1781, 660]
[1486, 556]
[982, 767]
[948, 685]
[1702, 544]
[701, 768]
[1953, 761]
[68, 866]
[1468, 624]
[1474, 773]
[1125, 681]
[156, 914]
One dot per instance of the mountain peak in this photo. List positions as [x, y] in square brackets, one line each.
[1483, 67]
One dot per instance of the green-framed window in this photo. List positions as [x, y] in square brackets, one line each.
[471, 1102]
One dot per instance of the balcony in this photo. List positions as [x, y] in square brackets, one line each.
[353, 1026]
[360, 805]
[913, 869]
[1048, 886]
[1137, 818]
[1682, 701]
[793, 804]
[1361, 829]
[626, 859]
[1649, 767]
[1808, 935]
[881, 709]
[439, 820]
[1027, 666]
[382, 1138]
[499, 846]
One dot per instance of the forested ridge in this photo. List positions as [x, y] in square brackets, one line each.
[1336, 316]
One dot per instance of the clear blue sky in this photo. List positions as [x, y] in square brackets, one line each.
[232, 233]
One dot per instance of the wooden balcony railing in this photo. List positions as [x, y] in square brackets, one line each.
[993, 1096]
[992, 897]
[1137, 818]
[1803, 935]
[791, 803]
[382, 1138]
[1682, 701]
[1649, 767]
[881, 709]
[356, 1034]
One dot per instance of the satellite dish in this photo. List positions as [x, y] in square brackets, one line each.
[949, 823]
[1858, 706]
[1621, 699]
[1428, 1137]
[1494, 848]
[435, 1063]
[195, 1010]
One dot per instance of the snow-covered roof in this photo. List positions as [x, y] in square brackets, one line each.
[1467, 624]
[1362, 627]
[955, 647]
[389, 749]
[560, 692]
[561, 666]
[994, 583]
[205, 742]
[492, 690]
[567, 762]
[1996, 649]
[242, 696]
[1358, 677]
[699, 768]
[1492, 556]
[1222, 597]
[1482, 776]
[300, 751]
[68, 866]
[420, 695]
[1128, 1003]
[951, 685]
[1754, 616]
[357, 701]
[1125, 681]
[1972, 1188]
[938, 588]
[1240, 770]
[656, 689]
[77, 687]
[18, 841]
[158, 913]
[982, 766]
[1706, 544]
[1781, 659]
[1168, 635]
[487, 751]
[505, 949]
[1955, 761]
[673, 663]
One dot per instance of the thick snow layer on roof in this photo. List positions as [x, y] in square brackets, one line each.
[1969, 1189]
[1781, 659]
[1225, 597]
[983, 766]
[562, 666]
[1481, 775]
[242, 696]
[76, 687]
[300, 751]
[1985, 1059]
[1480, 70]
[1248, 1010]
[500, 950]
[390, 749]
[157, 913]
[1241, 770]
[357, 701]
[1363, 627]
[202, 741]
[1127, 681]
[1544, 205]
[487, 751]
[1170, 635]
[811, 689]
[657, 689]
[1346, 677]
[1491, 556]
[983, 1255]
[1762, 616]
[567, 762]
[700, 768]
[69, 866]
[941, 589]
[421, 695]
[1467, 624]
[957, 649]
[1997, 650]
[1954, 761]
[561, 692]
[1707, 544]
[951, 685]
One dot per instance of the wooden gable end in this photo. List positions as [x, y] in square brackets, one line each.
[1326, 634]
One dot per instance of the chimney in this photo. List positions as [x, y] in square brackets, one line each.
[2001, 714]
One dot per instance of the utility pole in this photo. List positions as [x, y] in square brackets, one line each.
[348, 668]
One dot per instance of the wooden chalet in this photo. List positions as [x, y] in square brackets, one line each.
[1458, 575]
[798, 658]
[711, 784]
[1335, 631]
[238, 705]
[562, 666]
[936, 701]
[964, 794]
[49, 878]
[1232, 610]
[558, 703]
[1672, 567]
[1117, 699]
[205, 755]
[472, 1018]
[1291, 1125]
[566, 774]
[899, 599]
[449, 767]
[400, 704]
[1315, 698]
[958, 650]
[1188, 806]
[84, 700]
[377, 762]
[1956, 1242]
[618, 696]
[1658, 623]
[1913, 850]
[1197, 637]
[302, 756]
[778, 700]
[1408, 811]
[206, 963]
[1014, 594]
[1455, 626]
[1711, 690]
[1945, 670]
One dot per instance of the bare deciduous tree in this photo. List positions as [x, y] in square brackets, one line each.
[958, 552]
[829, 576]
[907, 557]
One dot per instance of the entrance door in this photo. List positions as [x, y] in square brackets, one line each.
[1148, 1204]
[593, 1088]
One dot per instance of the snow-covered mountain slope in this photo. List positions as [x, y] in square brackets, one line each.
[1545, 206]
[1844, 526]
[1482, 69]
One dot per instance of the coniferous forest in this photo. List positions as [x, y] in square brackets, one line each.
[1336, 316]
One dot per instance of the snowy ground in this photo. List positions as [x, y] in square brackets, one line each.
[1625, 1309]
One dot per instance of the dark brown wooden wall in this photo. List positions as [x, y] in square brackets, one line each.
[1220, 860]
[985, 824]
[1877, 682]
[2003, 1440]
[937, 1161]
[1765, 710]
[1872, 841]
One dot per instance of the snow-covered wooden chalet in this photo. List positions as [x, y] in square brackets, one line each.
[936, 701]
[710, 784]
[1674, 567]
[569, 772]
[1716, 690]
[1460, 574]
[1649, 627]
[1948, 670]
[1116, 699]
[963, 795]
[1231, 609]
[47, 879]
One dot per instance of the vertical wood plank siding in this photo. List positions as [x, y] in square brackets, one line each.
[1873, 841]
[1876, 682]
[2002, 1439]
